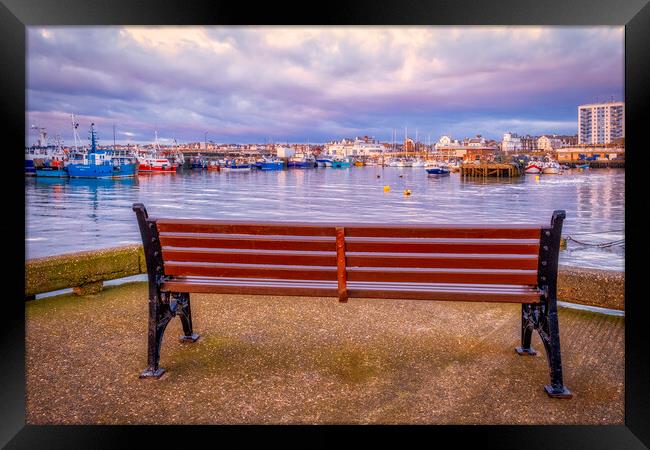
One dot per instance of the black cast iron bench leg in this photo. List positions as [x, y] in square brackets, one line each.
[159, 316]
[185, 314]
[543, 318]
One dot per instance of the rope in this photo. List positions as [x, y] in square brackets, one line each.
[598, 232]
[600, 245]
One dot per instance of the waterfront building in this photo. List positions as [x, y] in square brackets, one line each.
[612, 152]
[601, 123]
[549, 143]
[475, 142]
[529, 143]
[511, 143]
[360, 146]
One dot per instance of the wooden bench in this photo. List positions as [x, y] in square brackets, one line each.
[480, 263]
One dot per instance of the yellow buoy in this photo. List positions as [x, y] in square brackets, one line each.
[386, 188]
[536, 177]
[407, 192]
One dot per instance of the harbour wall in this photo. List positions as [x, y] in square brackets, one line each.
[85, 273]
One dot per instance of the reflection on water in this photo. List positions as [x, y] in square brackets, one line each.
[77, 214]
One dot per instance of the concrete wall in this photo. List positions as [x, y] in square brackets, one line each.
[83, 271]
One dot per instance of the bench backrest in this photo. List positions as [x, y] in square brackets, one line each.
[459, 254]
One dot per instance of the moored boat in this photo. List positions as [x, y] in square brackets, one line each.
[551, 167]
[437, 171]
[341, 163]
[324, 161]
[152, 164]
[533, 167]
[236, 166]
[103, 163]
[270, 164]
[302, 162]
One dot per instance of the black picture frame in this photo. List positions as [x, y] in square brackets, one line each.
[15, 15]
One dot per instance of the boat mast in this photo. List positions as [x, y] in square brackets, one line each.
[75, 134]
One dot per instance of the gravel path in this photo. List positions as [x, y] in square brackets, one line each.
[313, 360]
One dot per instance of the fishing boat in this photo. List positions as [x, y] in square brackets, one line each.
[55, 164]
[103, 163]
[236, 166]
[582, 166]
[551, 167]
[324, 161]
[214, 165]
[302, 162]
[54, 168]
[359, 163]
[154, 162]
[341, 163]
[270, 164]
[437, 171]
[534, 167]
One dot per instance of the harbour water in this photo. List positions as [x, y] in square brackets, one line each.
[67, 215]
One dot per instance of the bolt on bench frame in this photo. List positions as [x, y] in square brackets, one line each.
[442, 262]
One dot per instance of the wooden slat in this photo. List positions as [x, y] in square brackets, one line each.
[248, 242]
[307, 291]
[249, 257]
[462, 261]
[258, 228]
[505, 246]
[178, 268]
[445, 295]
[521, 277]
[446, 231]
[502, 288]
[520, 294]
[504, 231]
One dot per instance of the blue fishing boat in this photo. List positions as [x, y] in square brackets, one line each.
[103, 163]
[437, 171]
[270, 164]
[235, 166]
[302, 162]
[52, 172]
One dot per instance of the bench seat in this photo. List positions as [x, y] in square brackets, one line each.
[512, 263]
[356, 289]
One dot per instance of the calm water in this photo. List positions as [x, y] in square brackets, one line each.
[71, 215]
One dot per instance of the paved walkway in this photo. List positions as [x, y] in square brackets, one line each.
[312, 360]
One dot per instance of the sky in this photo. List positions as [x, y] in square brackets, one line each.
[315, 84]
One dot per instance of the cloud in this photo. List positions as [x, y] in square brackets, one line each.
[286, 83]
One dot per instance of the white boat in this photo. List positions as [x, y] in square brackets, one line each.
[534, 167]
[418, 163]
[551, 167]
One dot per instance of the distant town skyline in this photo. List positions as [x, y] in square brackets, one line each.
[300, 84]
